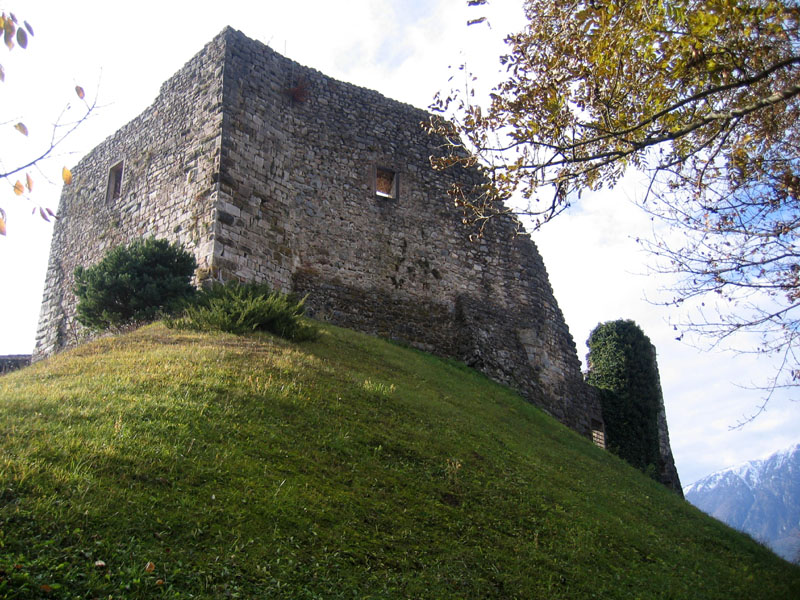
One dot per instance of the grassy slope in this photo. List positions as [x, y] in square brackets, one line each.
[346, 467]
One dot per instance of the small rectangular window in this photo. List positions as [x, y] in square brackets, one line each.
[386, 183]
[114, 190]
[598, 434]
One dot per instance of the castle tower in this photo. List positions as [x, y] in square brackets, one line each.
[270, 171]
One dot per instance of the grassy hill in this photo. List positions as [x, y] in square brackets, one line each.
[182, 465]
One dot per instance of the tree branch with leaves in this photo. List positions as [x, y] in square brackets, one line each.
[702, 95]
[16, 35]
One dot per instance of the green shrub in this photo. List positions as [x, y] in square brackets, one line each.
[243, 308]
[134, 283]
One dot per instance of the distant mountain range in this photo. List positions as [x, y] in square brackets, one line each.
[760, 497]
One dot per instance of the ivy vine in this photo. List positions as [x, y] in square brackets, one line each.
[623, 367]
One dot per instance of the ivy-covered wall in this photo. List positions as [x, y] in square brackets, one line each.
[623, 366]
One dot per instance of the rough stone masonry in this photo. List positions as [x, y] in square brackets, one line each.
[271, 171]
[12, 362]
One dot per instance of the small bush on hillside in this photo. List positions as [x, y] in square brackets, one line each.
[243, 308]
[133, 283]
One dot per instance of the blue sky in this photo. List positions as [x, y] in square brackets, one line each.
[122, 53]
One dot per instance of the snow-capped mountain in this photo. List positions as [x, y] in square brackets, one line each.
[760, 497]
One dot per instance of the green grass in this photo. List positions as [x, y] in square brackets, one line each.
[346, 467]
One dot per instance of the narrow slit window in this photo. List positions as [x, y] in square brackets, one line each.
[386, 183]
[114, 190]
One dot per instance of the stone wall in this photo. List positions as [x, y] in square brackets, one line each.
[12, 362]
[170, 163]
[298, 208]
[668, 473]
[268, 171]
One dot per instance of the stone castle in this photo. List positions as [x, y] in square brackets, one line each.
[270, 171]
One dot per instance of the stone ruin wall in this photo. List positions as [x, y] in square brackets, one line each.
[298, 208]
[668, 473]
[170, 156]
[12, 362]
[265, 186]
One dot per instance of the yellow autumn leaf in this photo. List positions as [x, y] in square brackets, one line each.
[66, 175]
[19, 189]
[8, 34]
[29, 182]
[2, 223]
[79, 91]
[21, 128]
